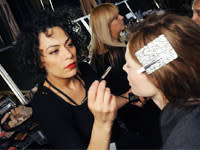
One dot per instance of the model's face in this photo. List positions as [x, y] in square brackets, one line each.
[58, 54]
[196, 12]
[117, 25]
[140, 84]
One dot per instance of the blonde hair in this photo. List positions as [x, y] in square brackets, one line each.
[100, 20]
[101, 38]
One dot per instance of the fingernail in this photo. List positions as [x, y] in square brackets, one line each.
[96, 82]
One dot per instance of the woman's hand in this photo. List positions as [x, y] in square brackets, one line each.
[102, 103]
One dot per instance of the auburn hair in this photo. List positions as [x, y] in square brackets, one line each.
[180, 79]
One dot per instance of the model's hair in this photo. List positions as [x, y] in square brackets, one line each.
[180, 79]
[27, 47]
[100, 21]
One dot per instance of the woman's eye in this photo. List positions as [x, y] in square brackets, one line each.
[54, 51]
[71, 44]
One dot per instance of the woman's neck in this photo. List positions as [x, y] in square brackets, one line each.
[67, 89]
[115, 36]
[62, 83]
[160, 100]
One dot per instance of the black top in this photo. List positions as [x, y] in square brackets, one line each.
[180, 127]
[64, 125]
[117, 77]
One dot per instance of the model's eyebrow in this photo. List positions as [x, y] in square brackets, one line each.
[58, 44]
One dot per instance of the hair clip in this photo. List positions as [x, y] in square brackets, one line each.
[155, 54]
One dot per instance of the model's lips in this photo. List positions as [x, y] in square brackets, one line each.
[71, 66]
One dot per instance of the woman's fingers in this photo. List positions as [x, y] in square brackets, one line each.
[100, 103]
[101, 92]
[113, 105]
[107, 96]
[92, 93]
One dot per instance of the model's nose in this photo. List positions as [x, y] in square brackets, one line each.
[194, 17]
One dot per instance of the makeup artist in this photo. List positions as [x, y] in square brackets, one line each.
[107, 48]
[47, 46]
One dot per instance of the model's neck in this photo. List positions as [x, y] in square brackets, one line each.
[160, 100]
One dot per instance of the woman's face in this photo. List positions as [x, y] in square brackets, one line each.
[58, 54]
[117, 25]
[140, 84]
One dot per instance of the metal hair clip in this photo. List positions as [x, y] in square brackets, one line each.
[155, 54]
[146, 67]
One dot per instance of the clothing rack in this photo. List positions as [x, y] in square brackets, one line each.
[82, 19]
[8, 47]
[13, 86]
[50, 2]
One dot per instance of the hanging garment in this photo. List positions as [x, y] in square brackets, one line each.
[87, 5]
[9, 28]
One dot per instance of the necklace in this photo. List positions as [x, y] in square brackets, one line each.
[71, 100]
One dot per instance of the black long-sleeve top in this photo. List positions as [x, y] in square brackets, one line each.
[65, 125]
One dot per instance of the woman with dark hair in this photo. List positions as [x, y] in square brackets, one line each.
[47, 46]
[162, 62]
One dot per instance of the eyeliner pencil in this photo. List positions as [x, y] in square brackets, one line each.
[102, 77]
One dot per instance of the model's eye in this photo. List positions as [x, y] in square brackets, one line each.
[53, 52]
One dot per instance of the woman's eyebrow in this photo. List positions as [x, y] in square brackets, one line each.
[58, 44]
[52, 46]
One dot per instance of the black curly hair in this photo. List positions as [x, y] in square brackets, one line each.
[26, 48]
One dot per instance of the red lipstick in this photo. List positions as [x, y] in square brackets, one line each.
[71, 66]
